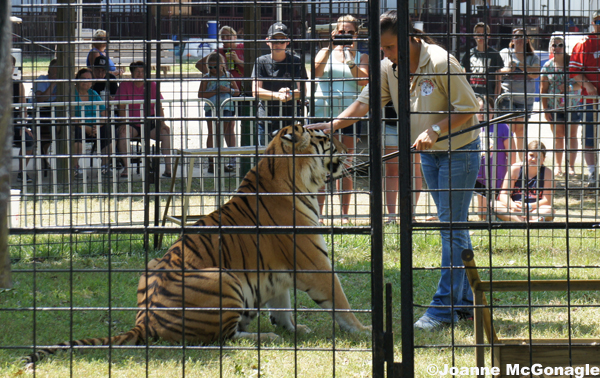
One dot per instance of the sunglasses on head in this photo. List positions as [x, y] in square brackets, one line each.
[596, 22]
[351, 32]
[558, 45]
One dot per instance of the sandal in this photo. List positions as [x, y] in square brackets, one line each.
[124, 174]
[166, 175]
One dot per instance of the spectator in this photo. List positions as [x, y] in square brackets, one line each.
[87, 115]
[484, 62]
[284, 73]
[99, 49]
[102, 78]
[584, 67]
[554, 80]
[135, 90]
[495, 160]
[521, 68]
[527, 196]
[391, 180]
[442, 102]
[233, 53]
[332, 64]
[240, 37]
[218, 87]
[19, 130]
[44, 89]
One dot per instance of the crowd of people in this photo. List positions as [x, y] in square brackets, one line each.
[342, 72]
[96, 86]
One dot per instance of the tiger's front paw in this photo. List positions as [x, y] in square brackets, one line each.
[301, 328]
[268, 337]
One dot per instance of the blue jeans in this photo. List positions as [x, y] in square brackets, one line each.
[450, 175]
[590, 126]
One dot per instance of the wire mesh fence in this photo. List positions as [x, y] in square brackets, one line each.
[149, 182]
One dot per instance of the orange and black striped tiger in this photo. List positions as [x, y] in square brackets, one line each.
[182, 292]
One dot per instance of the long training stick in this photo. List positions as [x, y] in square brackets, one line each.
[499, 119]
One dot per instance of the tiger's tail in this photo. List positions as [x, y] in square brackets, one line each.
[135, 336]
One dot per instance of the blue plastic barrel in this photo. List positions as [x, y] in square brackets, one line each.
[213, 29]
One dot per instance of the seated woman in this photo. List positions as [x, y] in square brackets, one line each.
[84, 92]
[527, 185]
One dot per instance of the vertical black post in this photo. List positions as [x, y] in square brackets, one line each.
[376, 188]
[5, 140]
[157, 106]
[469, 36]
[405, 201]
[313, 53]
[146, 124]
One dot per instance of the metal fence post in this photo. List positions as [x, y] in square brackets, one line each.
[6, 147]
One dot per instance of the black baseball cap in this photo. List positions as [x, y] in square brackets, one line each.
[101, 62]
[278, 29]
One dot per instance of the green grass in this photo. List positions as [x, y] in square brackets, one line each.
[88, 287]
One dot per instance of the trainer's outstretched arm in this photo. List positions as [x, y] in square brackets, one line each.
[356, 109]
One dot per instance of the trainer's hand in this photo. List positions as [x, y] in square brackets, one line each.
[425, 140]
[326, 127]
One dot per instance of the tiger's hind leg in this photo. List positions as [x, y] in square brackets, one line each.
[212, 301]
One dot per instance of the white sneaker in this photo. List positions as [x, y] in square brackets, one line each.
[429, 324]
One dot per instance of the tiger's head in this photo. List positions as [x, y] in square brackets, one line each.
[315, 155]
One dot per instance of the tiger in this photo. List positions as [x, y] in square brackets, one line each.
[215, 271]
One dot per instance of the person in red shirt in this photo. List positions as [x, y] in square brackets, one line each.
[130, 91]
[584, 66]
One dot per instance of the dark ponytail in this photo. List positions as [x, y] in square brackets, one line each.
[388, 23]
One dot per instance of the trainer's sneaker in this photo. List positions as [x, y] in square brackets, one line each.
[591, 182]
[429, 324]
[465, 315]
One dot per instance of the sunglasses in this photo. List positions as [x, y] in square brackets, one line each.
[351, 32]
[596, 22]
[280, 41]
[213, 67]
[558, 45]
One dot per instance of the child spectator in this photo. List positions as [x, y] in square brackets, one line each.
[217, 87]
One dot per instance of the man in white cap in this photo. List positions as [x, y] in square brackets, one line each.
[288, 71]
[584, 66]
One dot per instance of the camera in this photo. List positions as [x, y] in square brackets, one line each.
[343, 40]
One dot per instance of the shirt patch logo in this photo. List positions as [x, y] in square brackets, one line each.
[426, 87]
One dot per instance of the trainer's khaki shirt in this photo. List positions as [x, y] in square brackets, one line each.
[430, 93]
